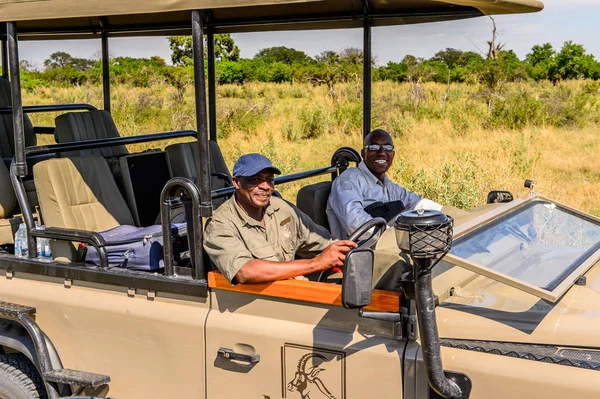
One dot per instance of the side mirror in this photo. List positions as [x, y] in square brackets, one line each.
[357, 280]
[499, 196]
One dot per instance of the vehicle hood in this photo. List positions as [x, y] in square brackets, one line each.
[487, 310]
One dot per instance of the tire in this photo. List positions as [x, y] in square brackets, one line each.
[19, 379]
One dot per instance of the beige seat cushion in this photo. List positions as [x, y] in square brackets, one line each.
[92, 125]
[79, 193]
[8, 228]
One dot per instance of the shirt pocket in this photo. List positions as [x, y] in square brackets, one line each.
[289, 247]
[265, 252]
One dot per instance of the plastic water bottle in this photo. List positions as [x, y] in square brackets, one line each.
[43, 244]
[21, 244]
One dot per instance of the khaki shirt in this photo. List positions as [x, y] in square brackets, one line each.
[232, 238]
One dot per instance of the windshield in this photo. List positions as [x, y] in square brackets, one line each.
[540, 244]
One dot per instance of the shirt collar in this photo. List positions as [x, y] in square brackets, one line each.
[371, 177]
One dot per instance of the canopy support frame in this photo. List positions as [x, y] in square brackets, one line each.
[212, 82]
[17, 105]
[105, 65]
[4, 50]
[366, 71]
[201, 117]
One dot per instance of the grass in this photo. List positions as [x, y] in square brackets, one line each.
[454, 144]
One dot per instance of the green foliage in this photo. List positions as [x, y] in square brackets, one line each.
[516, 112]
[285, 65]
[182, 51]
[453, 183]
[283, 55]
[314, 122]
[62, 60]
[244, 117]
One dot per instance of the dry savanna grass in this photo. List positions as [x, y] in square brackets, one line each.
[454, 143]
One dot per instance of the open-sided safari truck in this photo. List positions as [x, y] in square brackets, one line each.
[511, 310]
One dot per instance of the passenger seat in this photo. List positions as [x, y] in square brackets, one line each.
[79, 193]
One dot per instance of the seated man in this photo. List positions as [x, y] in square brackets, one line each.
[254, 237]
[357, 188]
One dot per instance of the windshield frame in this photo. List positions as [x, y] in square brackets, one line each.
[550, 295]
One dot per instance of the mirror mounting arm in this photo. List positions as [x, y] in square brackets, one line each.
[404, 323]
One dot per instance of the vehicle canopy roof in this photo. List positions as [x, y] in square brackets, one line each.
[39, 19]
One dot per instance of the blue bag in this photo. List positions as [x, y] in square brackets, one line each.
[137, 248]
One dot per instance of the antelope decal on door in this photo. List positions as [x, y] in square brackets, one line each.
[313, 373]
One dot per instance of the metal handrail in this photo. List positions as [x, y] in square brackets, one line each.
[223, 192]
[31, 109]
[108, 142]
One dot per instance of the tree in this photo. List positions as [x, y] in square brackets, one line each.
[182, 53]
[494, 48]
[451, 57]
[540, 54]
[60, 59]
[352, 55]
[328, 57]
[411, 61]
[26, 66]
[540, 60]
[282, 54]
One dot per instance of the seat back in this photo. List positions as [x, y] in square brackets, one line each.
[7, 132]
[8, 200]
[312, 200]
[184, 157]
[83, 126]
[79, 193]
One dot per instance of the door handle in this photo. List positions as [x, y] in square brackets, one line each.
[229, 354]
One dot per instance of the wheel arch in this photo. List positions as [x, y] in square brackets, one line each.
[14, 336]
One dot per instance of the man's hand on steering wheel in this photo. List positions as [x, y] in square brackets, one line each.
[333, 255]
[377, 225]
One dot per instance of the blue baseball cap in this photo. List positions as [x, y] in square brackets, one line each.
[252, 164]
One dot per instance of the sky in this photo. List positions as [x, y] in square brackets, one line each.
[561, 20]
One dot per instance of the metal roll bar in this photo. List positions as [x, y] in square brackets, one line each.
[180, 191]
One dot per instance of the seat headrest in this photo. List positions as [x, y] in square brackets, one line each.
[312, 200]
[90, 125]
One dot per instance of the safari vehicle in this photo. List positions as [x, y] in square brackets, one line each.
[498, 302]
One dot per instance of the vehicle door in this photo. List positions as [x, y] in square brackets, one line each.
[293, 339]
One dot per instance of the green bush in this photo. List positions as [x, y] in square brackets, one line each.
[314, 122]
[516, 111]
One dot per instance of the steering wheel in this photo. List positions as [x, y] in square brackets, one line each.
[377, 224]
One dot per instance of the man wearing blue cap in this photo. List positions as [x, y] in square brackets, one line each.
[255, 237]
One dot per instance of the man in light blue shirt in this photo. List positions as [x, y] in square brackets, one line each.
[357, 188]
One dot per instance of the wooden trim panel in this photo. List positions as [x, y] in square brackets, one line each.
[306, 291]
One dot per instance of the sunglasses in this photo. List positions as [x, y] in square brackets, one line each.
[377, 147]
[253, 181]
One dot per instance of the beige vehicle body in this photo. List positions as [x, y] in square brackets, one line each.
[197, 336]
